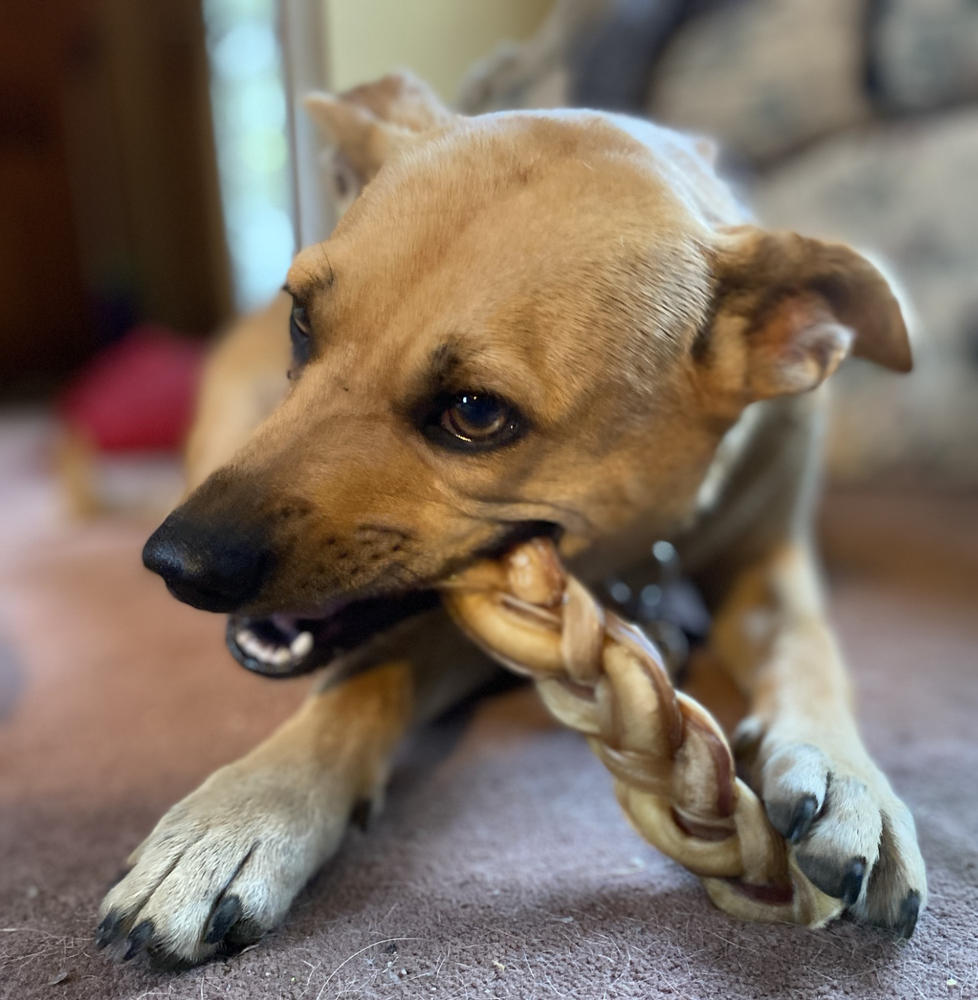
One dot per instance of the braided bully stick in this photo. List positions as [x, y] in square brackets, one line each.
[673, 768]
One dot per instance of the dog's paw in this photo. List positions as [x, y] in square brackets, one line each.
[852, 836]
[220, 869]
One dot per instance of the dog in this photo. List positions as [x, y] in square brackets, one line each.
[526, 323]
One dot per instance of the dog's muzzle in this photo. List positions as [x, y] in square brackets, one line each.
[287, 645]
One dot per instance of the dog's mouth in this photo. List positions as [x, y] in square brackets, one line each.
[286, 645]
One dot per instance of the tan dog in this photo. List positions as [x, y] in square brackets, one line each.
[525, 323]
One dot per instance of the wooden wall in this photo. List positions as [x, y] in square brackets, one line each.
[109, 202]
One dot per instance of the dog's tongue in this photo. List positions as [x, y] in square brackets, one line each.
[291, 625]
[288, 625]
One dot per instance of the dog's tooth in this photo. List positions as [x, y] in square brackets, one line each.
[274, 653]
[301, 644]
[255, 647]
[248, 641]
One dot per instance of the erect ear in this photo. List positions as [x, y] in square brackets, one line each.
[370, 123]
[787, 310]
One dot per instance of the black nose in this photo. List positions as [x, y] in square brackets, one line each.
[206, 565]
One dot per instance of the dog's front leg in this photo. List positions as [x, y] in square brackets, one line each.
[223, 865]
[855, 838]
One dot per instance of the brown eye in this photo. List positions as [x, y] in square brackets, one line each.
[475, 416]
[299, 332]
[300, 318]
[474, 421]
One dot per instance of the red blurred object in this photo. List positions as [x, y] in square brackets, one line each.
[137, 395]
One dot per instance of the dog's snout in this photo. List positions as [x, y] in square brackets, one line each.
[214, 568]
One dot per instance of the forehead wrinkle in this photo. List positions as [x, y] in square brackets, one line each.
[456, 365]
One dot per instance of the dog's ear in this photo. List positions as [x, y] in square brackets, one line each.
[370, 123]
[402, 99]
[787, 310]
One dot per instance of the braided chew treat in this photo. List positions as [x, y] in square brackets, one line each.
[673, 768]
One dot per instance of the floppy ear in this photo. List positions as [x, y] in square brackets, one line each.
[370, 123]
[787, 310]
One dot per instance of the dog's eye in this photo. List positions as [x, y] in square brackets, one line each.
[475, 415]
[474, 421]
[299, 332]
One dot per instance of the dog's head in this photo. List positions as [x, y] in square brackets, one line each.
[524, 323]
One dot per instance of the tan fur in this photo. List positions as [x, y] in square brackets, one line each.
[595, 271]
[242, 383]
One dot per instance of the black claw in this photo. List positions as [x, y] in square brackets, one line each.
[108, 930]
[852, 881]
[139, 938]
[909, 911]
[801, 818]
[227, 913]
